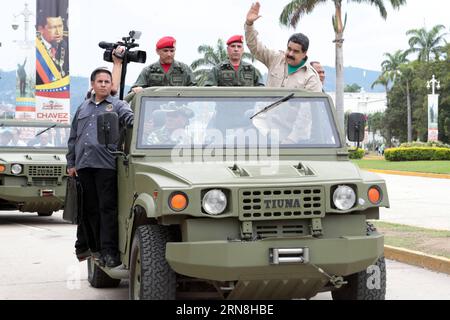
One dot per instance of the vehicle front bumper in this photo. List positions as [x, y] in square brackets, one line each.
[34, 198]
[250, 260]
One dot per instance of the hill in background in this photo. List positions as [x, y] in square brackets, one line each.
[80, 85]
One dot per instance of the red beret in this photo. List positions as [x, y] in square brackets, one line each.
[166, 42]
[236, 38]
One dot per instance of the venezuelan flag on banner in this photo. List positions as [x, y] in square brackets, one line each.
[52, 60]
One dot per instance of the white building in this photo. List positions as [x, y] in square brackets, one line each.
[363, 102]
[366, 103]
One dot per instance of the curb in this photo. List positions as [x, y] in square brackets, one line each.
[411, 174]
[416, 258]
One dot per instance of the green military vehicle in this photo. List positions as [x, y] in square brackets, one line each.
[33, 166]
[243, 193]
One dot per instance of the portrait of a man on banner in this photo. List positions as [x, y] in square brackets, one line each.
[52, 59]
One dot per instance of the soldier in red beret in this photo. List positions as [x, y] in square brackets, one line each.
[165, 72]
[234, 72]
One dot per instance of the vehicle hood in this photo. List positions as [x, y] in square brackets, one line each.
[32, 158]
[220, 173]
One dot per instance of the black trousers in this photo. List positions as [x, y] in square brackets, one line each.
[99, 223]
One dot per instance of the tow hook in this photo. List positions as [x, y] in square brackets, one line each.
[337, 281]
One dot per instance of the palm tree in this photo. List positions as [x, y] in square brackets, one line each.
[383, 79]
[396, 68]
[291, 14]
[212, 57]
[392, 63]
[426, 42]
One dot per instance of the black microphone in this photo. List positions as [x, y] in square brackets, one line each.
[106, 45]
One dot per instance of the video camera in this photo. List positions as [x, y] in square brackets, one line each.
[127, 42]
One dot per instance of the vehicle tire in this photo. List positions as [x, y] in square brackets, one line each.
[368, 284]
[45, 214]
[151, 277]
[98, 278]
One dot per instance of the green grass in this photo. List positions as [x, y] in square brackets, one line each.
[435, 242]
[442, 167]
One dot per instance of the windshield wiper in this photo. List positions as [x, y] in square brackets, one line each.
[45, 130]
[273, 105]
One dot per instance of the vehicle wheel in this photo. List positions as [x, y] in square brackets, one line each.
[45, 214]
[369, 284]
[98, 278]
[151, 277]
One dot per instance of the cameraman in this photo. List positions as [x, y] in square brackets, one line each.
[167, 72]
[116, 72]
[96, 168]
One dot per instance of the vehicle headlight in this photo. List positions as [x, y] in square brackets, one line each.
[214, 202]
[344, 197]
[16, 169]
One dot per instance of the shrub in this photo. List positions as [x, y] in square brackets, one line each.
[430, 144]
[416, 154]
[356, 154]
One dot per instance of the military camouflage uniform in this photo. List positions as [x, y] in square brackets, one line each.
[153, 75]
[160, 136]
[224, 75]
[163, 135]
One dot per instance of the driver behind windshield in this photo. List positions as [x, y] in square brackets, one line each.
[176, 118]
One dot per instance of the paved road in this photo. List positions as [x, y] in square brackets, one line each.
[37, 262]
[417, 201]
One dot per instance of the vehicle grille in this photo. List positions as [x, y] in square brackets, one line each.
[44, 182]
[45, 171]
[280, 229]
[281, 203]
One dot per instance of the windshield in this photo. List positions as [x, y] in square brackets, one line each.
[33, 137]
[225, 122]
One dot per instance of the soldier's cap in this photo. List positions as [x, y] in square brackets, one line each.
[166, 42]
[98, 70]
[171, 107]
[236, 38]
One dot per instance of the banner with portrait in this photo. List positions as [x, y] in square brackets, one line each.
[433, 111]
[52, 61]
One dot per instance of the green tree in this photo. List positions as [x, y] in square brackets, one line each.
[376, 123]
[416, 76]
[395, 69]
[352, 88]
[295, 9]
[212, 56]
[426, 42]
[391, 65]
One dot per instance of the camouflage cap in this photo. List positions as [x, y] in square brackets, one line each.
[172, 107]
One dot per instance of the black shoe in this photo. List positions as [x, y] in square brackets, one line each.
[111, 260]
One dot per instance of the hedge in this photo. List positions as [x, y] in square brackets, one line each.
[416, 154]
[356, 154]
[419, 144]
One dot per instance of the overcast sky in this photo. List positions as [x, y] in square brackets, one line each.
[197, 22]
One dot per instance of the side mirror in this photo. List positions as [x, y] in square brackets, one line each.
[108, 128]
[355, 127]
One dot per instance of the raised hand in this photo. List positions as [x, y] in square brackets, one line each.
[253, 13]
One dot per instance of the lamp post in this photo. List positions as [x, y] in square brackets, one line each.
[433, 109]
[434, 84]
[26, 13]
